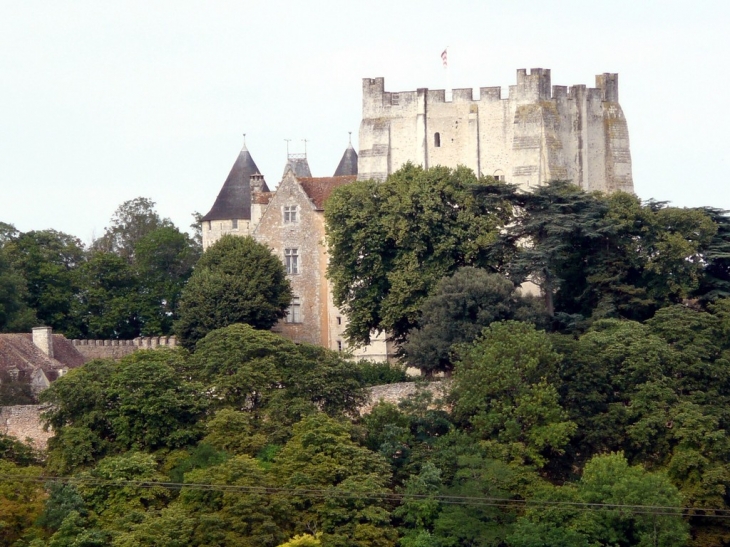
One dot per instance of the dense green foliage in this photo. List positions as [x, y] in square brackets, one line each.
[596, 417]
[126, 284]
[237, 280]
[457, 310]
[391, 243]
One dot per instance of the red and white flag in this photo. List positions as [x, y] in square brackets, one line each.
[444, 58]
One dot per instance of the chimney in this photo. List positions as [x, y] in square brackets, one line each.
[257, 183]
[43, 339]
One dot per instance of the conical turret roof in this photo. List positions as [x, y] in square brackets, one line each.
[234, 199]
[348, 163]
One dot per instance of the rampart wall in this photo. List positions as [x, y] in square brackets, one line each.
[116, 349]
[24, 423]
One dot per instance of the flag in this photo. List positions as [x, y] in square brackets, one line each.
[444, 57]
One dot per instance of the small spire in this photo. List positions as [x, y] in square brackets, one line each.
[349, 133]
[287, 147]
[244, 142]
[305, 147]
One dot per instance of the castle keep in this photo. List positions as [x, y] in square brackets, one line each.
[538, 133]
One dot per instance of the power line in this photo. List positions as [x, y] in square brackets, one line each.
[333, 492]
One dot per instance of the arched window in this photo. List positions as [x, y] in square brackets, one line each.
[437, 140]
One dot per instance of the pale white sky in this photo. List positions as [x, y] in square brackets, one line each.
[101, 102]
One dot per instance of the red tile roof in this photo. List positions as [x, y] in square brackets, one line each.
[319, 188]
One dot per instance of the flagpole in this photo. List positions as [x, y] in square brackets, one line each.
[445, 59]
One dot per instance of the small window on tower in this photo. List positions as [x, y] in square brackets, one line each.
[339, 345]
[394, 99]
[437, 140]
[339, 320]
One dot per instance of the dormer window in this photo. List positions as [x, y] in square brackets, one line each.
[290, 214]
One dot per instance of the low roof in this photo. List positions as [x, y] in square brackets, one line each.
[17, 351]
[319, 188]
[234, 199]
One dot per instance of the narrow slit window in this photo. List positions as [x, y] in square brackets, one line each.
[437, 140]
[294, 313]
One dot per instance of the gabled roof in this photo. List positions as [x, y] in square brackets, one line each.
[234, 199]
[319, 189]
[17, 351]
[298, 164]
[348, 163]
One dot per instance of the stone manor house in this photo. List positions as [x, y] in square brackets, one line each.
[537, 134]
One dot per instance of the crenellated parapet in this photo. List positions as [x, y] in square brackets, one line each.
[141, 342]
[116, 349]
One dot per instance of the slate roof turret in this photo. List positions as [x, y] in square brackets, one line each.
[348, 163]
[299, 164]
[234, 199]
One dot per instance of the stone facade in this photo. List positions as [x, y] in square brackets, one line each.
[24, 423]
[538, 133]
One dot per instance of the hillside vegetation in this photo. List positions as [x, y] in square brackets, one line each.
[593, 412]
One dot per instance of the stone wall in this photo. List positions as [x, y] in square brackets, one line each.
[24, 422]
[116, 349]
[395, 393]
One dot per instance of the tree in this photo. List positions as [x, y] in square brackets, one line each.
[607, 479]
[457, 310]
[164, 260]
[15, 316]
[109, 303]
[305, 540]
[21, 500]
[131, 221]
[237, 280]
[322, 455]
[274, 380]
[391, 242]
[49, 261]
[234, 518]
[501, 392]
[556, 225]
[104, 408]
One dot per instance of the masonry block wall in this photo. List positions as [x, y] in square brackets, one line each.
[24, 422]
[539, 133]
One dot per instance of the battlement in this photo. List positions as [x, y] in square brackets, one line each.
[141, 342]
[608, 84]
[533, 85]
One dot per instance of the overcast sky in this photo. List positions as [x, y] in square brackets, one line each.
[101, 102]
